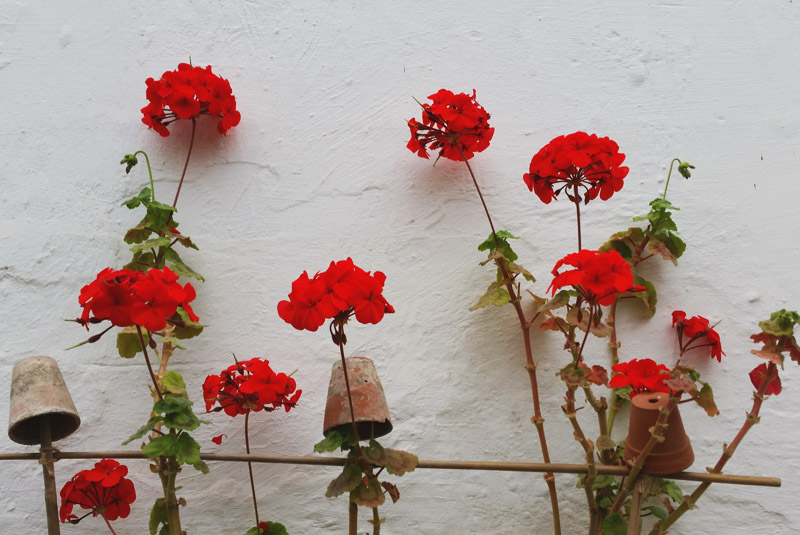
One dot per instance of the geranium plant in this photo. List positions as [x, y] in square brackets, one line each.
[339, 293]
[586, 287]
[146, 298]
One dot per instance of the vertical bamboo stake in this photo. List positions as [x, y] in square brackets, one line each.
[48, 471]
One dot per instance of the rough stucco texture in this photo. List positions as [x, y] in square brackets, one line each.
[318, 170]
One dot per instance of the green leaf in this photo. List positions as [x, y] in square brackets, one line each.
[171, 403]
[146, 428]
[185, 420]
[161, 241]
[128, 343]
[398, 462]
[164, 445]
[158, 215]
[619, 246]
[188, 450]
[495, 295]
[614, 524]
[375, 454]
[345, 482]
[273, 528]
[648, 296]
[662, 204]
[602, 481]
[598, 329]
[780, 323]
[141, 261]
[658, 512]
[660, 248]
[142, 198]
[511, 267]
[501, 245]
[186, 241]
[173, 383]
[177, 265]
[368, 494]
[334, 440]
[671, 489]
[675, 245]
[559, 300]
[706, 400]
[158, 515]
[190, 328]
[138, 234]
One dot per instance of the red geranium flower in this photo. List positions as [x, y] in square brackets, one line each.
[759, 375]
[186, 93]
[454, 124]
[642, 375]
[693, 329]
[343, 289]
[598, 276]
[103, 489]
[126, 297]
[250, 385]
[577, 162]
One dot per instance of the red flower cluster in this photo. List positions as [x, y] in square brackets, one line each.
[186, 93]
[250, 385]
[642, 375]
[126, 297]
[759, 374]
[598, 276]
[695, 328]
[576, 161]
[453, 124]
[343, 288]
[103, 489]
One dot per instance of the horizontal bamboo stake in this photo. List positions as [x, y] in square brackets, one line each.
[560, 468]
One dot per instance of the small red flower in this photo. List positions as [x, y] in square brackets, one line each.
[759, 375]
[642, 375]
[454, 124]
[580, 164]
[692, 330]
[343, 289]
[249, 385]
[103, 489]
[187, 93]
[598, 276]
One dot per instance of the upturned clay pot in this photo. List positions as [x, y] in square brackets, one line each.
[369, 403]
[672, 455]
[38, 392]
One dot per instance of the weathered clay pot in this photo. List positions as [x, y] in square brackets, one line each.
[369, 403]
[672, 455]
[38, 393]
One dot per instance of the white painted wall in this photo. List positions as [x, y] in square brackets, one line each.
[318, 170]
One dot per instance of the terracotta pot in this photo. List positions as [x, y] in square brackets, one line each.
[369, 404]
[672, 455]
[39, 396]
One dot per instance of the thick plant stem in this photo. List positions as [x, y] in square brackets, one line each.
[376, 522]
[727, 452]
[613, 346]
[530, 365]
[340, 329]
[588, 448]
[168, 470]
[640, 494]
[656, 436]
[353, 519]
[250, 467]
[186, 164]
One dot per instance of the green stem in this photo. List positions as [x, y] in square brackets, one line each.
[671, 164]
[250, 467]
[171, 501]
[149, 172]
[376, 522]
